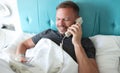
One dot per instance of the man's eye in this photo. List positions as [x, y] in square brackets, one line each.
[66, 19]
[57, 19]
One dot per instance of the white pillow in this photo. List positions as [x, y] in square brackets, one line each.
[107, 52]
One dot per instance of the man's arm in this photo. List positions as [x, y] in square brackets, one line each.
[21, 49]
[85, 64]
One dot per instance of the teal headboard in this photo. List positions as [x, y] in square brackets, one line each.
[99, 16]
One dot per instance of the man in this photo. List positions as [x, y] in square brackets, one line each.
[66, 14]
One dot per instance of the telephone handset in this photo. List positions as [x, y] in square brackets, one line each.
[79, 21]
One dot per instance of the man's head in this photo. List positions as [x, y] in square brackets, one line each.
[66, 14]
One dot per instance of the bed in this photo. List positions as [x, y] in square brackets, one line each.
[101, 23]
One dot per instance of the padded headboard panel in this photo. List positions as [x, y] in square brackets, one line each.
[99, 16]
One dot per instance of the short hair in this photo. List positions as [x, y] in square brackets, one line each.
[69, 4]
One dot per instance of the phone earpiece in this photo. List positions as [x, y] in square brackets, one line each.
[79, 20]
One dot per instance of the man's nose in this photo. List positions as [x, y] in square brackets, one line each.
[61, 22]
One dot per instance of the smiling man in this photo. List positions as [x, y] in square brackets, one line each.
[80, 49]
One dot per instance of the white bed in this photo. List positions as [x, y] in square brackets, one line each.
[107, 51]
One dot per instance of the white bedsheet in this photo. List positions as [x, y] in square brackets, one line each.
[47, 57]
[4, 67]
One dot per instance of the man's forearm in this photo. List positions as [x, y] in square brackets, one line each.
[21, 49]
[85, 64]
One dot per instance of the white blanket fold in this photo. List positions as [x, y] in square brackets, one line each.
[48, 57]
[51, 58]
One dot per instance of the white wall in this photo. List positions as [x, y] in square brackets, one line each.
[13, 19]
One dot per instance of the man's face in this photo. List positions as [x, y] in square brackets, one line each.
[65, 17]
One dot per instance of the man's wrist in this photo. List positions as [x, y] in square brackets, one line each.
[19, 56]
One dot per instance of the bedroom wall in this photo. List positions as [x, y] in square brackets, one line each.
[12, 19]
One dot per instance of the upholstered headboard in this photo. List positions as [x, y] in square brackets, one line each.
[99, 16]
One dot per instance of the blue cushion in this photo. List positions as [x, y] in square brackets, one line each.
[99, 16]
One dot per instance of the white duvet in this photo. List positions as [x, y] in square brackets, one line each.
[46, 57]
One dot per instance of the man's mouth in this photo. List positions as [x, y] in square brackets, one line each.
[63, 29]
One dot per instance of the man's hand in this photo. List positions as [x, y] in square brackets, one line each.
[76, 31]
